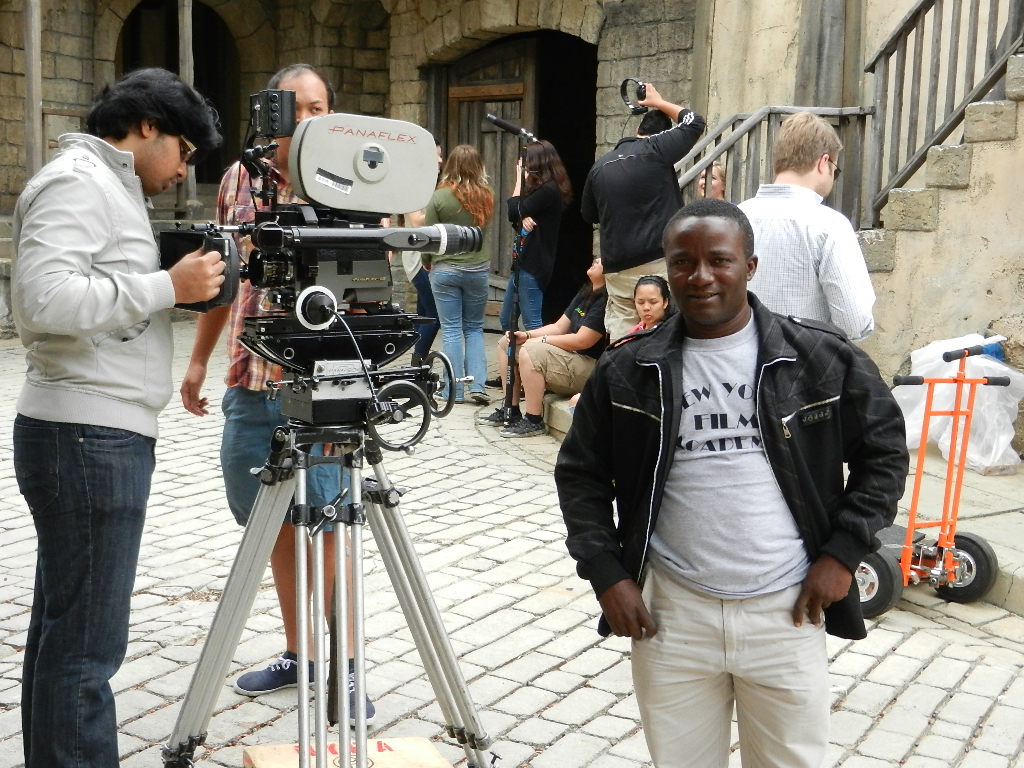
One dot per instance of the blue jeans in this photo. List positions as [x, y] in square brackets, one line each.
[531, 300]
[461, 300]
[87, 488]
[425, 307]
[249, 422]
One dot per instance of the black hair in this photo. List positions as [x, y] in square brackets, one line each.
[666, 294]
[294, 70]
[655, 121]
[154, 94]
[710, 206]
[656, 280]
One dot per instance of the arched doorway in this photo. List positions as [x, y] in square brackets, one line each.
[545, 82]
[149, 38]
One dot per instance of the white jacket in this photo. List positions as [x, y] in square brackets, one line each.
[88, 293]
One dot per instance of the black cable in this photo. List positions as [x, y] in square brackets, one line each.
[362, 361]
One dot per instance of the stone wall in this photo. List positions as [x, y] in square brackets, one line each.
[67, 80]
[652, 41]
[951, 244]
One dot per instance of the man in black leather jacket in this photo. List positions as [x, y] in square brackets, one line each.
[721, 438]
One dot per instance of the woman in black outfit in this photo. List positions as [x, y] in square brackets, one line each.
[535, 209]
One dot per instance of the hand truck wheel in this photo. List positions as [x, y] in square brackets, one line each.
[977, 568]
[880, 582]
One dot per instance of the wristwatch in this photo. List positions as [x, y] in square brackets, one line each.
[544, 339]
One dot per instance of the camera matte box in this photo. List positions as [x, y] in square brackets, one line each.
[381, 753]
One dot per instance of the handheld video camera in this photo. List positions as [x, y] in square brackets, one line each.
[323, 263]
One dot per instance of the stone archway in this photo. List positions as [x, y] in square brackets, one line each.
[247, 21]
[425, 33]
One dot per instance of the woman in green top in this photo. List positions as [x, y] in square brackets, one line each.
[459, 282]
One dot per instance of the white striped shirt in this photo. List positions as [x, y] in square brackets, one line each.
[809, 261]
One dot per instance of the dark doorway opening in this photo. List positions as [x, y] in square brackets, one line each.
[149, 38]
[566, 116]
[546, 82]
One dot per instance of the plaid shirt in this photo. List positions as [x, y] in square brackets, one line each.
[235, 205]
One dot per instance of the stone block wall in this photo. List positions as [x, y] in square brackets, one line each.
[652, 41]
[348, 39]
[67, 81]
[951, 247]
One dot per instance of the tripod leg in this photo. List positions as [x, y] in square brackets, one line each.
[338, 709]
[414, 618]
[358, 608]
[302, 612]
[320, 678]
[233, 610]
[425, 614]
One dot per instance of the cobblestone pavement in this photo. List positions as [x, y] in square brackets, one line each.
[934, 685]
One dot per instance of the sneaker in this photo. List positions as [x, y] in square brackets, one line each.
[494, 383]
[371, 711]
[497, 418]
[480, 398]
[523, 428]
[280, 673]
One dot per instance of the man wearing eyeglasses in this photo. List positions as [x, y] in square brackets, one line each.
[91, 306]
[811, 264]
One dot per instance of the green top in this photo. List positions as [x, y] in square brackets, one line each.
[444, 208]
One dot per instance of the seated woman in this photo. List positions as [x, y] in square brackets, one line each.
[653, 304]
[558, 357]
[652, 300]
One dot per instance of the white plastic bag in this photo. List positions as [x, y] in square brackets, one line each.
[989, 450]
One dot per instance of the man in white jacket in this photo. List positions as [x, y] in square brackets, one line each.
[90, 303]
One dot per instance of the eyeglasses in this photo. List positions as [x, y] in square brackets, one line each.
[189, 152]
[837, 170]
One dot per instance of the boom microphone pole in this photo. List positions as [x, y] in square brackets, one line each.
[512, 128]
[510, 367]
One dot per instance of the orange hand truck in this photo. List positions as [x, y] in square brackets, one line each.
[962, 566]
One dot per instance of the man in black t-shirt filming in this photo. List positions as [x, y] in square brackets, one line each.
[557, 357]
[631, 193]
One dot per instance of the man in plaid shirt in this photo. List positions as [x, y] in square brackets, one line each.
[249, 417]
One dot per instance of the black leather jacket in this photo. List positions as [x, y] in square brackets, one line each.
[821, 404]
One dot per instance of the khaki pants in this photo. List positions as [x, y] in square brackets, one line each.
[564, 372]
[710, 654]
[620, 311]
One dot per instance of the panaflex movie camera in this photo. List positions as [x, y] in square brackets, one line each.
[324, 263]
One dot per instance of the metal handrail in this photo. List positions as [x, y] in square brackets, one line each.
[744, 143]
[955, 41]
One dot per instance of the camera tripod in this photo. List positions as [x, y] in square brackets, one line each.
[371, 500]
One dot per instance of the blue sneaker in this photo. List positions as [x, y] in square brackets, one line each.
[279, 674]
[371, 711]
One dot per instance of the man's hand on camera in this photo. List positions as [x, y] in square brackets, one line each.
[191, 386]
[197, 276]
[654, 100]
[651, 97]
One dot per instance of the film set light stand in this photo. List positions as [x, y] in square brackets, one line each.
[510, 368]
[340, 392]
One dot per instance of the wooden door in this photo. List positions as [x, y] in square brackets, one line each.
[498, 80]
